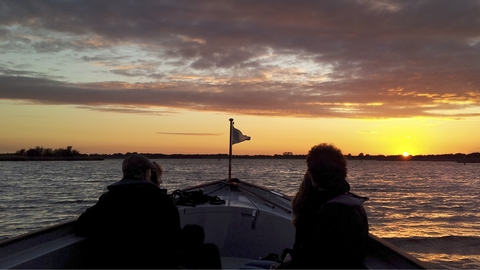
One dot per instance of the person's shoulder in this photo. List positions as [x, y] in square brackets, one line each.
[156, 193]
[150, 188]
[104, 196]
[340, 205]
[349, 199]
[346, 207]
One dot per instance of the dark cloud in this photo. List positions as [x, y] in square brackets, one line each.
[263, 98]
[354, 58]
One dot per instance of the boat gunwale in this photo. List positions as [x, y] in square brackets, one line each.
[383, 243]
[38, 232]
[235, 182]
[240, 185]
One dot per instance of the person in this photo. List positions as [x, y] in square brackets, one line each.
[156, 176]
[331, 225]
[134, 224]
[196, 254]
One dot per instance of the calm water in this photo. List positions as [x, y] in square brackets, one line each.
[429, 209]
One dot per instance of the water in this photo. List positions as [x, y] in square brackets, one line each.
[429, 209]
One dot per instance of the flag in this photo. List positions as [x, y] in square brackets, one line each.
[238, 137]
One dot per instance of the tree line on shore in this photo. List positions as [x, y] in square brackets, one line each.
[68, 153]
[48, 152]
[40, 153]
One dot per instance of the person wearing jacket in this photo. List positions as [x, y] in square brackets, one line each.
[134, 224]
[331, 223]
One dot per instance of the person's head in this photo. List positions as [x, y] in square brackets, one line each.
[137, 166]
[325, 177]
[327, 166]
[156, 176]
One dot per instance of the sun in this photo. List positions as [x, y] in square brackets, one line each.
[405, 154]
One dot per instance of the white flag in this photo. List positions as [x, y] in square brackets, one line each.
[238, 137]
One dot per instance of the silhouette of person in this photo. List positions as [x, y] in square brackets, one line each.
[331, 223]
[156, 175]
[134, 224]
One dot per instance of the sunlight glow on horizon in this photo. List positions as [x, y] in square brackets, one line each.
[106, 132]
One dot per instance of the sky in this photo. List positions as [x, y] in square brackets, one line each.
[372, 77]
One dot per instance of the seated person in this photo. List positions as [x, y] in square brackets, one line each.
[134, 224]
[331, 223]
[197, 254]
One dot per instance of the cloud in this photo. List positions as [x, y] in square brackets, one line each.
[128, 109]
[259, 98]
[352, 59]
[189, 134]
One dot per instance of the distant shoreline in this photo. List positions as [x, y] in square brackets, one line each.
[460, 158]
[25, 158]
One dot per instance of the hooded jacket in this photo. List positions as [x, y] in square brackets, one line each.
[133, 225]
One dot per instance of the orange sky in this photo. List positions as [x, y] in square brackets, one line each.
[372, 77]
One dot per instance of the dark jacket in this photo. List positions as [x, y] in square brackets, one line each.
[334, 237]
[133, 225]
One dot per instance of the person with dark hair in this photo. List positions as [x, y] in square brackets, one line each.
[331, 223]
[134, 224]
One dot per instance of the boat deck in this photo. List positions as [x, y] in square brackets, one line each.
[240, 226]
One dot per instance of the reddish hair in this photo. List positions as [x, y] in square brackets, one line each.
[325, 178]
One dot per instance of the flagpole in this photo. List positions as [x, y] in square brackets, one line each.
[230, 153]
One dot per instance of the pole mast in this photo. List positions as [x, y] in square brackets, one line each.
[230, 153]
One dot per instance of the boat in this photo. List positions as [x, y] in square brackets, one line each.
[245, 221]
